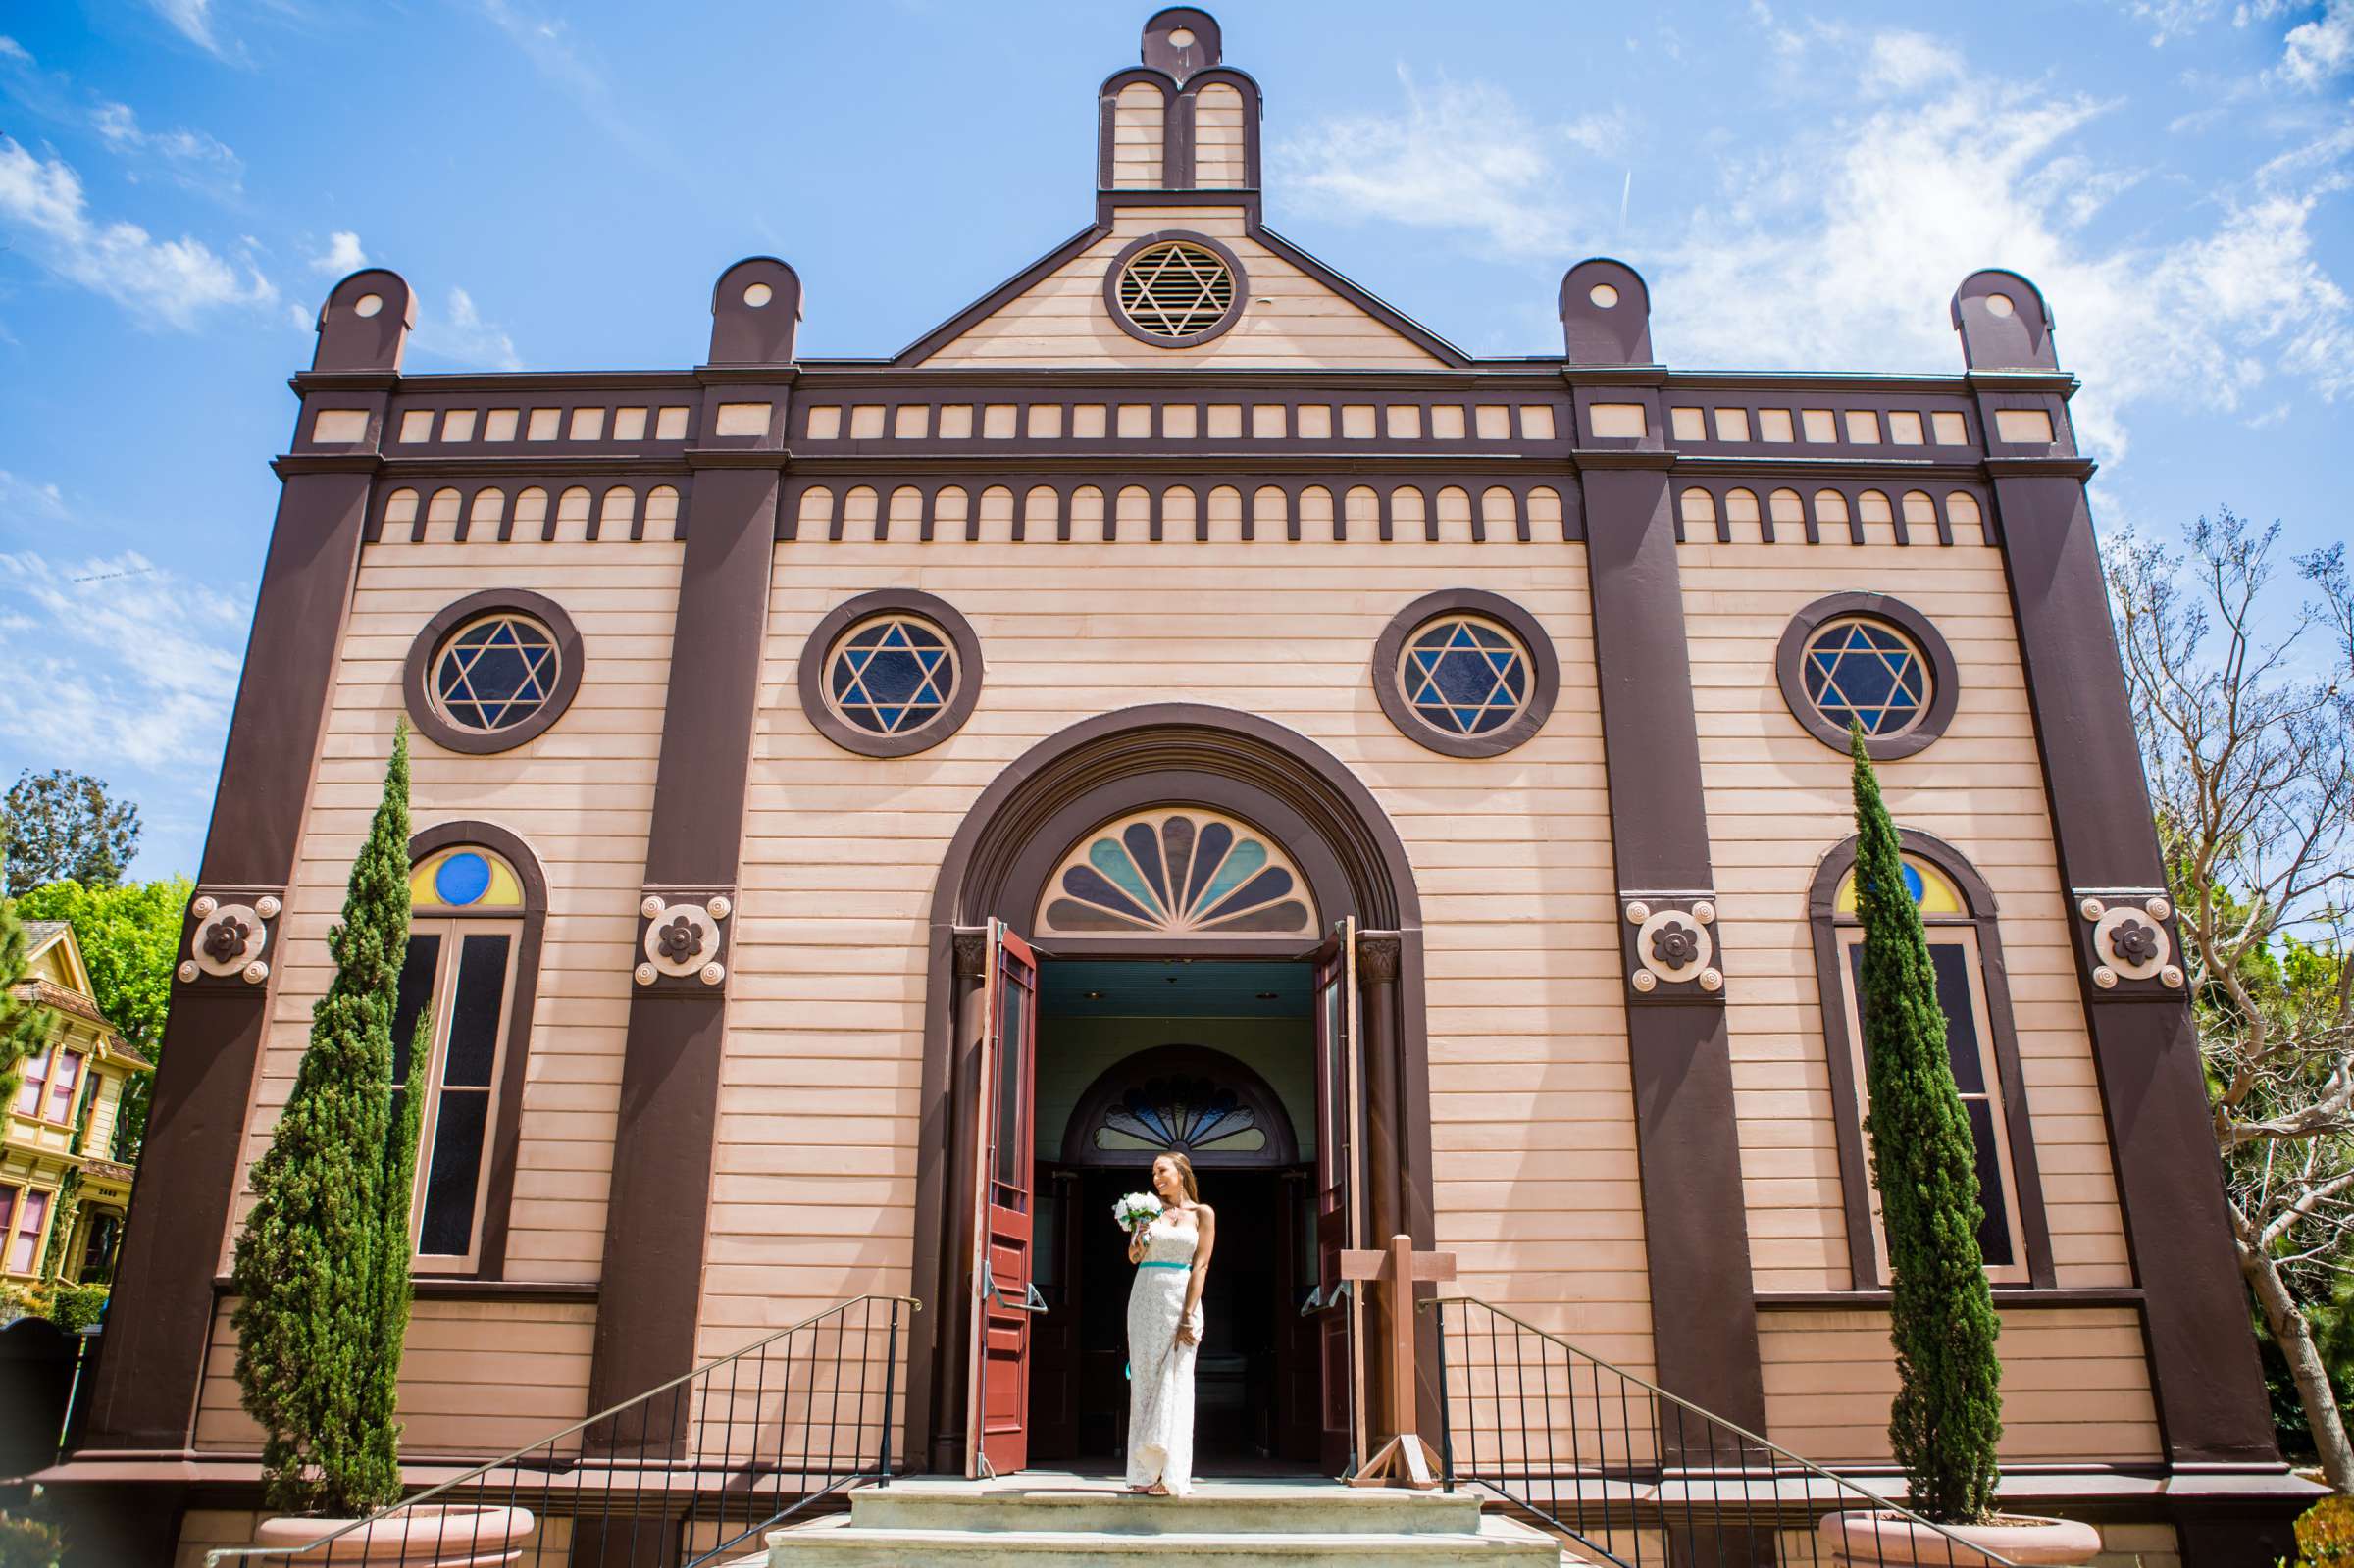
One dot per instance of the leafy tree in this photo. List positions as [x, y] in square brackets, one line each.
[23, 1026]
[2245, 712]
[64, 824]
[129, 938]
[323, 1262]
[1947, 1417]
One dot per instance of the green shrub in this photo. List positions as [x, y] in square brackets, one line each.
[2325, 1535]
[1947, 1417]
[28, 1543]
[74, 1308]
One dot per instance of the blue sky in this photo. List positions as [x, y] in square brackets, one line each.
[1803, 185]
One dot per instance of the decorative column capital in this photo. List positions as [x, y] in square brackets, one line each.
[1377, 953]
[972, 951]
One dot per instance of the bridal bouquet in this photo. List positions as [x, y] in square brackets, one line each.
[1136, 1211]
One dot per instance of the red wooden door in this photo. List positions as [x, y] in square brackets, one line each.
[998, 1427]
[1339, 1151]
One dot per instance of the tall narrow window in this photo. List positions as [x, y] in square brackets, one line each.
[1957, 912]
[64, 1080]
[465, 930]
[24, 1239]
[34, 1083]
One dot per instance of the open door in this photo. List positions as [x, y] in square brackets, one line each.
[1339, 1308]
[1004, 1296]
[1055, 1348]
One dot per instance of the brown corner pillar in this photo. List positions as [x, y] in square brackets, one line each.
[1702, 1302]
[658, 1215]
[152, 1359]
[2203, 1365]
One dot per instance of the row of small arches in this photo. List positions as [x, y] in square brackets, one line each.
[578, 515]
[1737, 517]
[1224, 513]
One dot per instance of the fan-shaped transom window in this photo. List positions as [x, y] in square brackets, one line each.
[1465, 675]
[1174, 871]
[496, 672]
[1180, 1114]
[1932, 894]
[892, 674]
[1175, 289]
[1864, 670]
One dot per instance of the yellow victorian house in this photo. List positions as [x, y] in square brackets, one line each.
[62, 1123]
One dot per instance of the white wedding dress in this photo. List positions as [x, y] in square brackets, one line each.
[1161, 1371]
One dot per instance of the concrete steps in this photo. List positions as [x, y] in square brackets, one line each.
[1027, 1522]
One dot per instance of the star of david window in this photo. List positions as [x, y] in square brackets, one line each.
[497, 673]
[892, 674]
[1465, 676]
[1873, 661]
[1175, 291]
[1868, 673]
[1465, 672]
[493, 671]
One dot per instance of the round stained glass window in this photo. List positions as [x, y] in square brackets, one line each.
[892, 674]
[1866, 672]
[1465, 675]
[496, 673]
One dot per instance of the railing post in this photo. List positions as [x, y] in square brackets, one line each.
[1438, 1311]
[891, 1372]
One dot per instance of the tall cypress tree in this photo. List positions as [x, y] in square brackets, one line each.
[1948, 1414]
[323, 1262]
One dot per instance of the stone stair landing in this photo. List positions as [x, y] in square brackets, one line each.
[1033, 1520]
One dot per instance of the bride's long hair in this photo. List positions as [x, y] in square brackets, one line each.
[1185, 1175]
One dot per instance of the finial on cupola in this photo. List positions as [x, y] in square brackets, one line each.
[1182, 41]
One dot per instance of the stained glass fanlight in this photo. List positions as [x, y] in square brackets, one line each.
[1180, 1115]
[1931, 892]
[1174, 871]
[465, 877]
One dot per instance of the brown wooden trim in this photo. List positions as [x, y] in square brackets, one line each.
[817, 651]
[658, 1212]
[505, 1148]
[2203, 1365]
[146, 1385]
[1703, 1319]
[1010, 841]
[1545, 671]
[1945, 677]
[948, 331]
[1855, 1171]
[2022, 1297]
[1174, 237]
[417, 670]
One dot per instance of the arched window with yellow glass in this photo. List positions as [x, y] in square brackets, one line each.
[477, 904]
[1958, 917]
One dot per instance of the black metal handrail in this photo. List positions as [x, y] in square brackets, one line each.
[1636, 1475]
[674, 1478]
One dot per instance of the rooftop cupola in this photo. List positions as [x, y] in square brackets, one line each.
[1182, 121]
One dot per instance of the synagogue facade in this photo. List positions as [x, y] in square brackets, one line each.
[867, 808]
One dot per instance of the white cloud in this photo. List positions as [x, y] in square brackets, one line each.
[1458, 155]
[10, 49]
[24, 502]
[2169, 20]
[119, 661]
[1909, 63]
[1843, 248]
[343, 256]
[2315, 51]
[195, 157]
[174, 281]
[192, 19]
[464, 336]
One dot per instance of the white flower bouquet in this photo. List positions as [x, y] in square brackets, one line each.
[1136, 1211]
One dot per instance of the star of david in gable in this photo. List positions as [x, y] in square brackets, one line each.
[1176, 291]
[1463, 676]
[893, 676]
[1861, 671]
[496, 673]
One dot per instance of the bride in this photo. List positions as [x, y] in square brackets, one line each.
[1164, 1331]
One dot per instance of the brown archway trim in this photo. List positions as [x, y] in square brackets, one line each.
[506, 1136]
[818, 651]
[1855, 1176]
[999, 859]
[1545, 672]
[1945, 679]
[416, 676]
[1282, 1147]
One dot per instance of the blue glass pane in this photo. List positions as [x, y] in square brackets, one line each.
[462, 879]
[1465, 677]
[495, 673]
[1854, 670]
[890, 676]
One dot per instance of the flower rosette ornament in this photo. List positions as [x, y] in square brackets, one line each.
[1136, 1211]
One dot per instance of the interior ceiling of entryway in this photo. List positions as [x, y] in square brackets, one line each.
[1119, 989]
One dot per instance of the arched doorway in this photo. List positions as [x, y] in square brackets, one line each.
[1000, 882]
